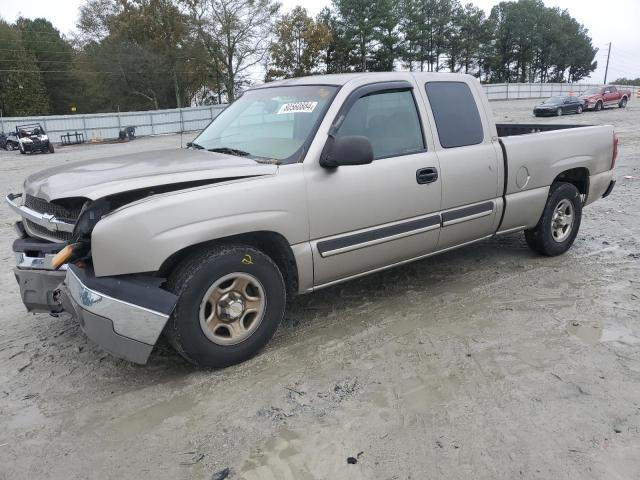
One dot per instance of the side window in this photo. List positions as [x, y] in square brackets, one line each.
[456, 114]
[389, 119]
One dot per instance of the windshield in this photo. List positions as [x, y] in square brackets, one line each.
[591, 91]
[554, 100]
[268, 123]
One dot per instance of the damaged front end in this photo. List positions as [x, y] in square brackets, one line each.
[59, 209]
[124, 314]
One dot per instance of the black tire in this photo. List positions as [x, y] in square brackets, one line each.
[598, 106]
[623, 102]
[10, 146]
[559, 112]
[579, 111]
[22, 150]
[541, 238]
[192, 280]
[51, 149]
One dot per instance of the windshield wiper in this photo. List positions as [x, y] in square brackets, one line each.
[230, 151]
[195, 145]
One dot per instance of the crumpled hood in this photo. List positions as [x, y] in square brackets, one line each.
[99, 178]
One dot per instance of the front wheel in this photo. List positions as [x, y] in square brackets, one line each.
[623, 102]
[231, 301]
[10, 146]
[580, 109]
[598, 106]
[557, 228]
[22, 150]
[50, 148]
[559, 112]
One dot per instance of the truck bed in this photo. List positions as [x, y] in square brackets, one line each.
[536, 154]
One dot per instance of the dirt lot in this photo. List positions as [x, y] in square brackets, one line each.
[488, 362]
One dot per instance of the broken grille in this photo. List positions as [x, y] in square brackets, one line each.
[61, 213]
[43, 232]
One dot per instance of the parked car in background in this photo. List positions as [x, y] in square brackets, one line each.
[296, 186]
[33, 138]
[601, 97]
[558, 105]
[8, 141]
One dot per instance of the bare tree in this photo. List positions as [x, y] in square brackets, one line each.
[237, 32]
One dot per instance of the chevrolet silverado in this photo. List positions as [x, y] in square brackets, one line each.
[298, 185]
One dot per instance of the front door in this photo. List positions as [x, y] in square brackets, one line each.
[366, 217]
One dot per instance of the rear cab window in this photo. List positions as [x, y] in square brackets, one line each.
[455, 113]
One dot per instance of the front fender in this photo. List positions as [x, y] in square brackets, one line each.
[140, 237]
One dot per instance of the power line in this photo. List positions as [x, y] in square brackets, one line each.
[97, 72]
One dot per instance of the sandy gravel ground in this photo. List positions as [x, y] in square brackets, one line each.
[488, 362]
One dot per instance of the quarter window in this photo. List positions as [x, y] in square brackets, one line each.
[456, 114]
[389, 119]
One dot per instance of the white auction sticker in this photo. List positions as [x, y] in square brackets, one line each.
[297, 107]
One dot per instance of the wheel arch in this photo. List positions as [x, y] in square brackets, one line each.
[271, 243]
[577, 176]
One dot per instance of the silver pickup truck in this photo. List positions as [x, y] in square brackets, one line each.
[298, 185]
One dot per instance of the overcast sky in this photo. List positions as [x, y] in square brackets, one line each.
[616, 21]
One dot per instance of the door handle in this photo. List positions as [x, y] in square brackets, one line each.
[427, 175]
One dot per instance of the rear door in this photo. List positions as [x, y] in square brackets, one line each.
[367, 217]
[469, 156]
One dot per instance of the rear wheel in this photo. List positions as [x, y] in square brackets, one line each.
[21, 147]
[559, 112]
[10, 146]
[579, 109]
[598, 106]
[231, 301]
[50, 148]
[557, 228]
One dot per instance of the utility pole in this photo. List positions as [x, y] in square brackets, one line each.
[606, 70]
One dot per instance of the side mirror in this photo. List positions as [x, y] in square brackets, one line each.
[348, 150]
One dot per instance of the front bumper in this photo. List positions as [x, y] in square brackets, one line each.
[35, 276]
[124, 315]
[106, 311]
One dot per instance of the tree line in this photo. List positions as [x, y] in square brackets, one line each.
[151, 54]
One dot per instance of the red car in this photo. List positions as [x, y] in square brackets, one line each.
[601, 97]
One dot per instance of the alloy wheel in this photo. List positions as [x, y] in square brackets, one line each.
[562, 220]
